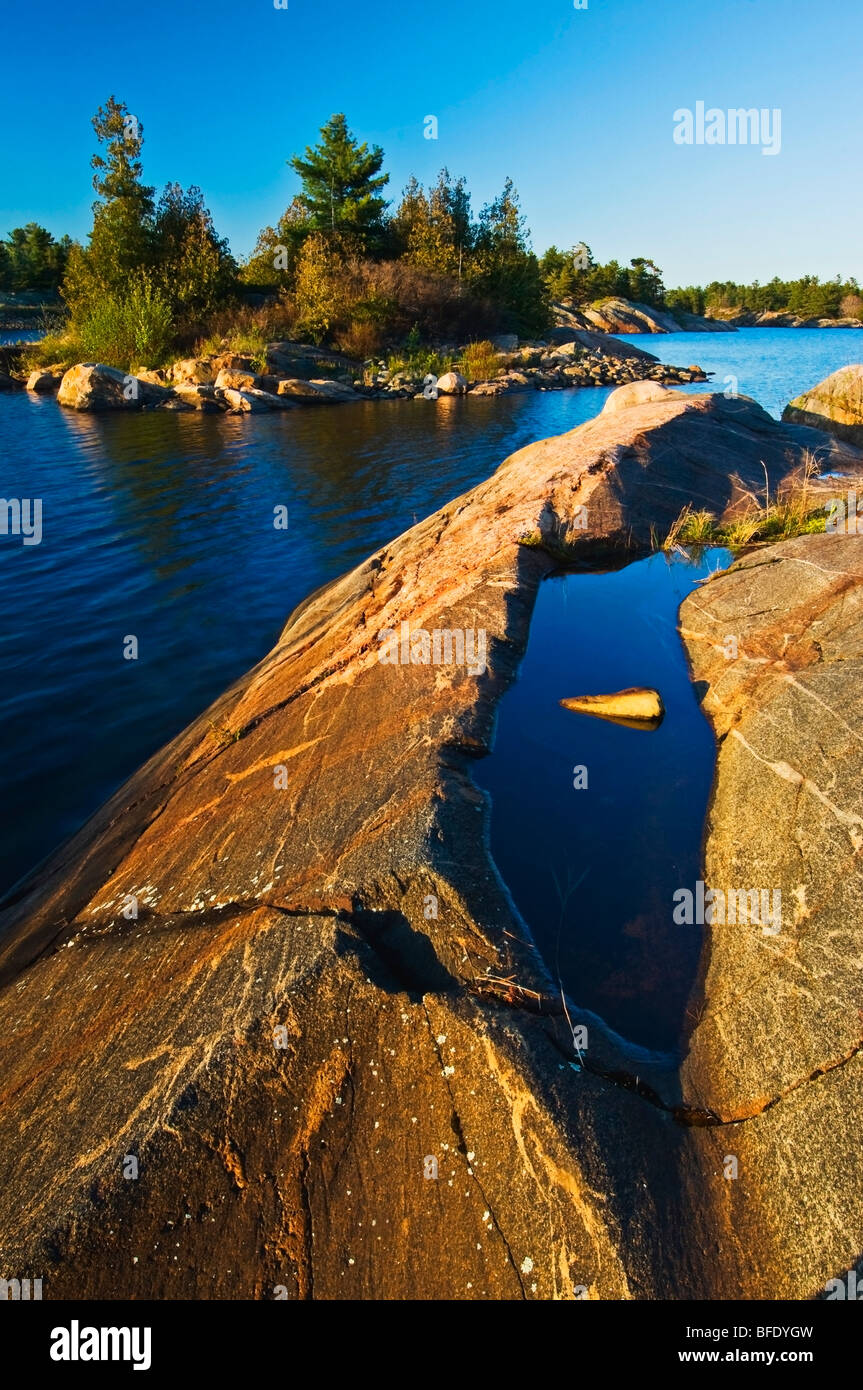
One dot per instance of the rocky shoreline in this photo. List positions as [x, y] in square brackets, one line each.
[232, 383]
[624, 316]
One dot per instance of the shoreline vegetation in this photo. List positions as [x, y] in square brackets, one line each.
[343, 269]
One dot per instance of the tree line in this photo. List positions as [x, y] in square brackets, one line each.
[808, 296]
[343, 264]
[30, 259]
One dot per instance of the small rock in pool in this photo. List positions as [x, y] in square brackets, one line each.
[639, 708]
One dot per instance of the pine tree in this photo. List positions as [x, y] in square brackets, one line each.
[341, 183]
[30, 258]
[505, 268]
[122, 240]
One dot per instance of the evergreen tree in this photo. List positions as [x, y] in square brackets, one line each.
[644, 283]
[122, 240]
[193, 265]
[435, 231]
[341, 183]
[30, 259]
[505, 268]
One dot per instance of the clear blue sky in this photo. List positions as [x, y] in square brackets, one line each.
[576, 105]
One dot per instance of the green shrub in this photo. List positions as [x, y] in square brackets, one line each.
[422, 363]
[55, 349]
[480, 362]
[134, 329]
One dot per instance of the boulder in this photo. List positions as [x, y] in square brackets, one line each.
[328, 1040]
[315, 392]
[517, 381]
[608, 346]
[501, 386]
[230, 379]
[637, 705]
[197, 371]
[201, 398]
[249, 402]
[452, 384]
[93, 386]
[43, 381]
[617, 315]
[506, 342]
[778, 318]
[835, 405]
[635, 393]
[233, 362]
[10, 383]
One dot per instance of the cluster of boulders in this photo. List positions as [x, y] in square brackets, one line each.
[229, 383]
[542, 367]
[233, 383]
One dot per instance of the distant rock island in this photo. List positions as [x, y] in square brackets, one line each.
[622, 316]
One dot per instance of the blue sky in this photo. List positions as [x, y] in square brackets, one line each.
[576, 105]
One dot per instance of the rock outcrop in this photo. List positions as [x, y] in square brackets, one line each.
[270, 1020]
[616, 315]
[776, 646]
[835, 405]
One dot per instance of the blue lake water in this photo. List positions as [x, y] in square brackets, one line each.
[20, 335]
[160, 525]
[773, 365]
